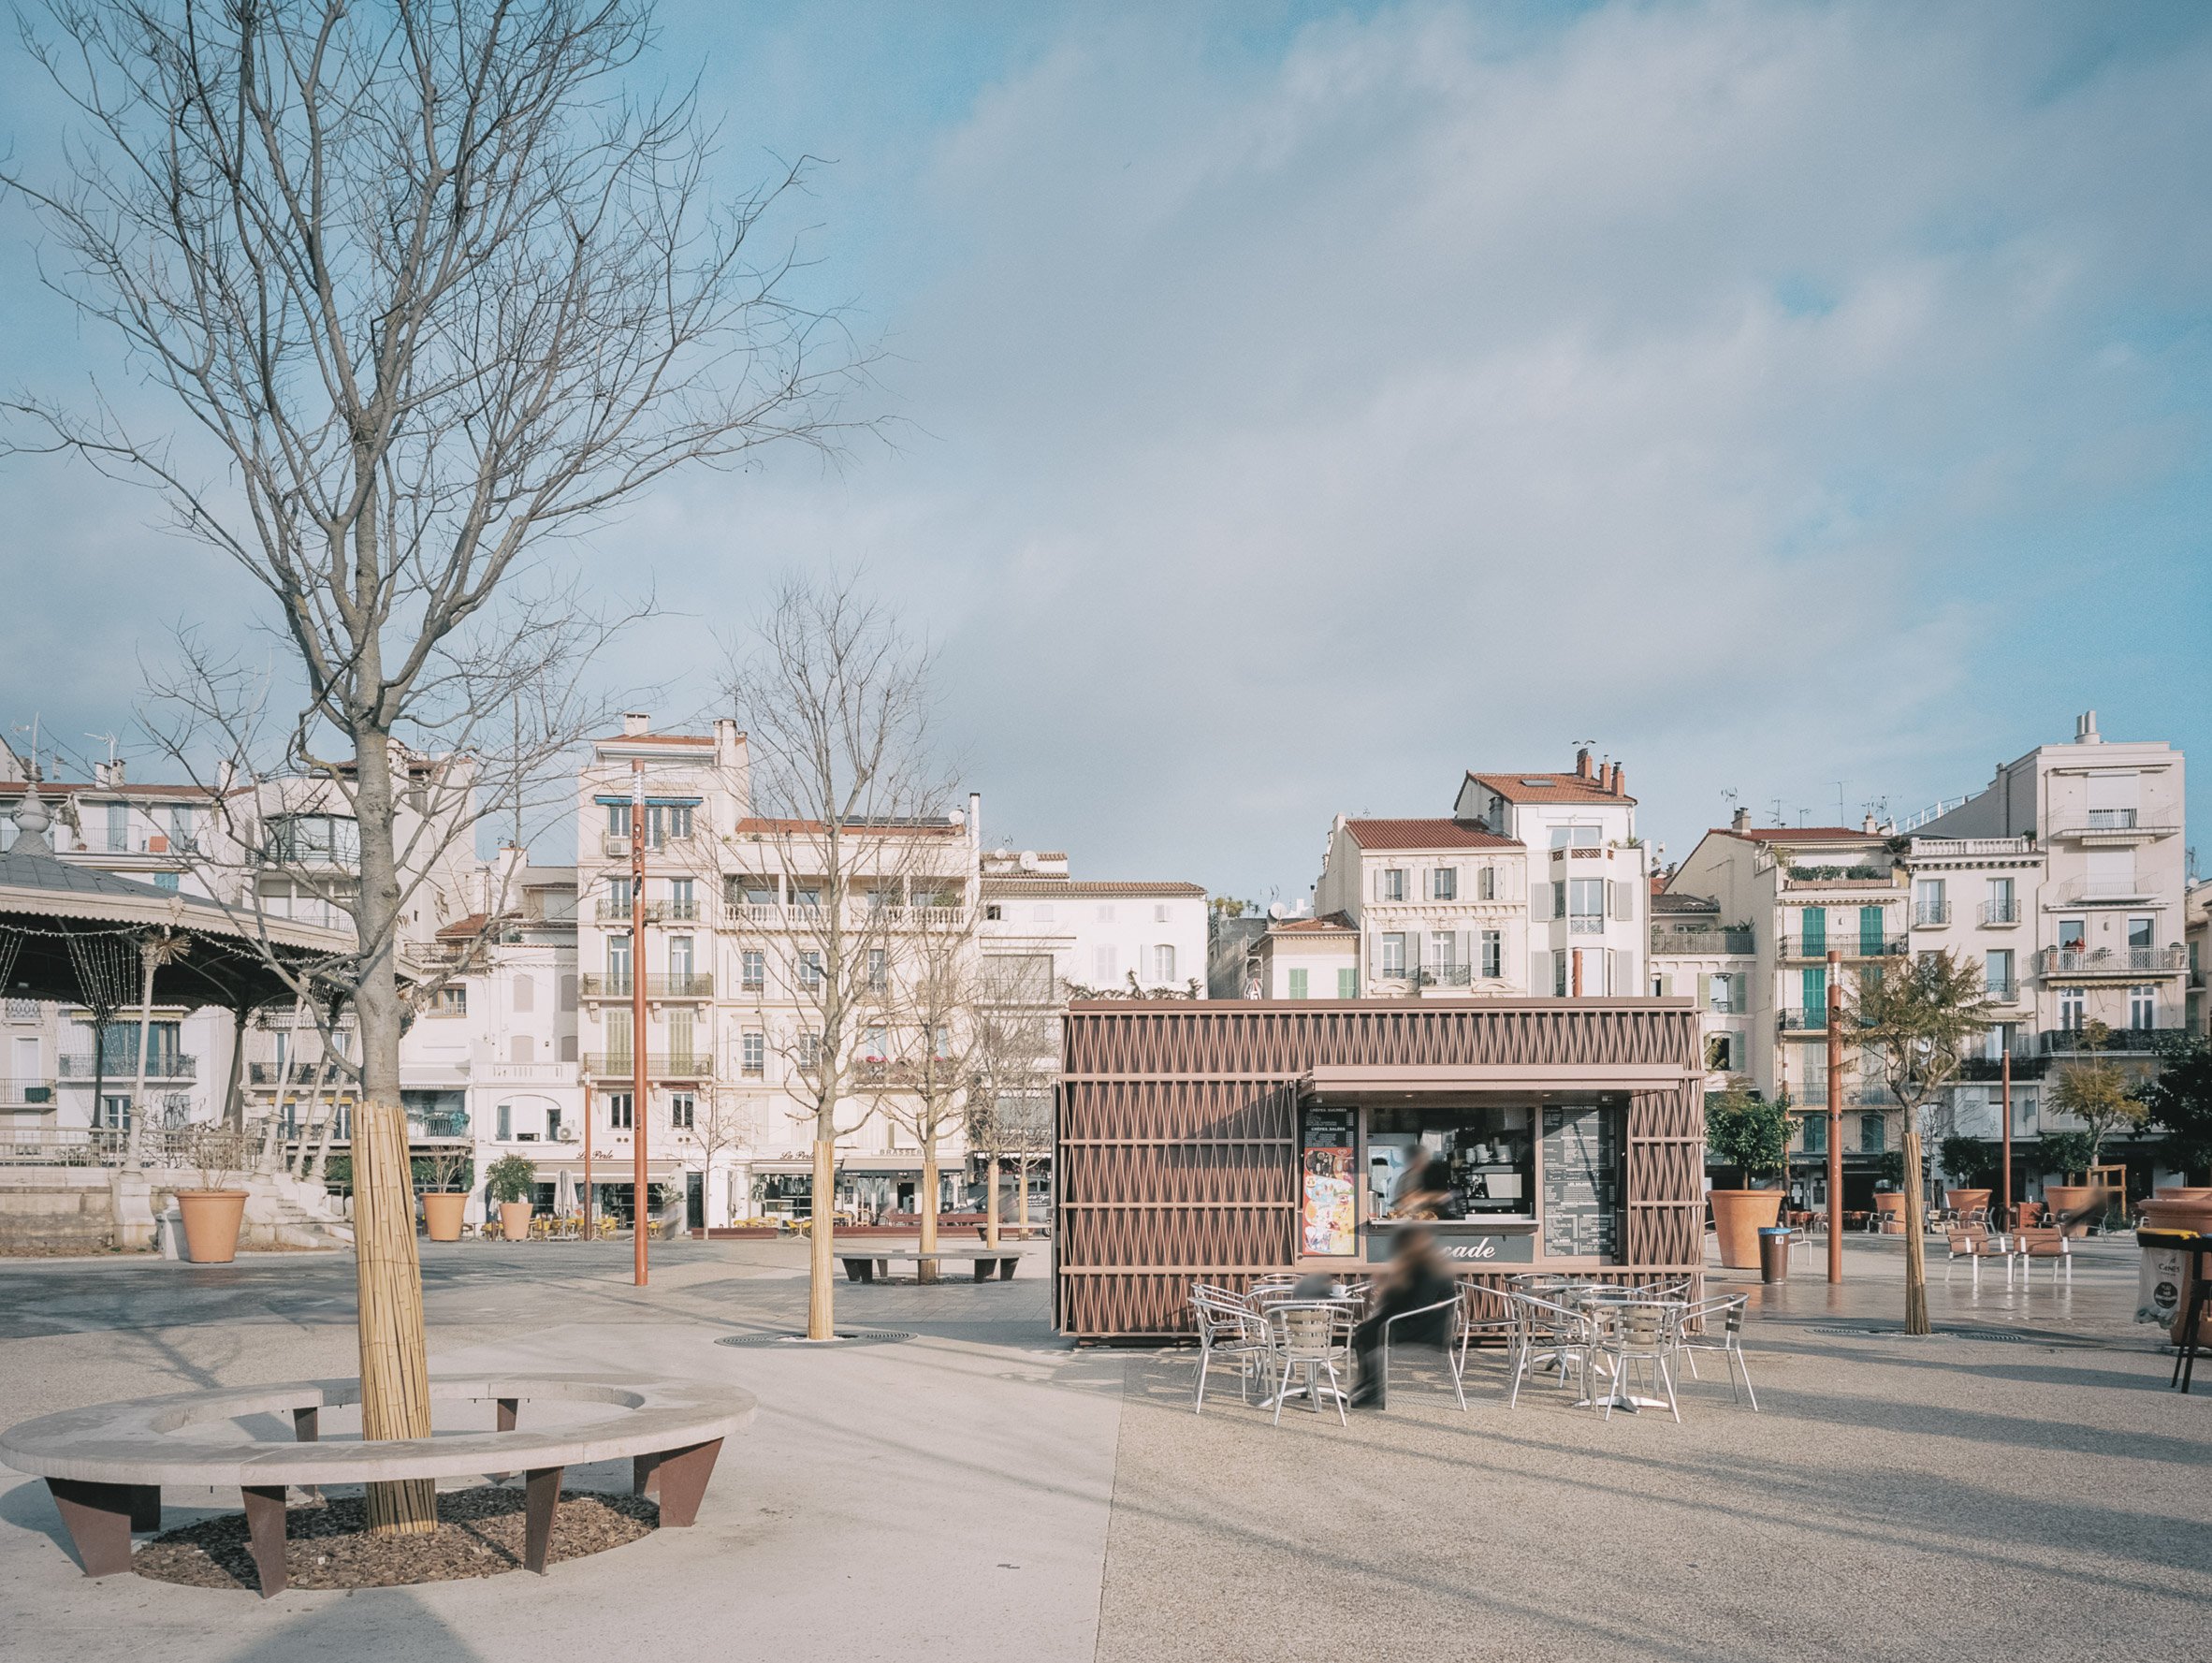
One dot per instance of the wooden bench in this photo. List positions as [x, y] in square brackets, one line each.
[876, 1264]
[106, 1465]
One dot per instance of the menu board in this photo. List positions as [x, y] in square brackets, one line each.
[1581, 1184]
[1326, 1176]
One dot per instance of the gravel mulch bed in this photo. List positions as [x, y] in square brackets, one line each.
[327, 1545]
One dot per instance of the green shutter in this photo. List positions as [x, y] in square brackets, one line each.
[1816, 996]
[1816, 931]
[1348, 984]
[1869, 933]
[1297, 983]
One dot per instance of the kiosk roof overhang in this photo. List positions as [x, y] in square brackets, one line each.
[1362, 1080]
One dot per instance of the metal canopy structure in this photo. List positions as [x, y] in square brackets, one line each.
[59, 922]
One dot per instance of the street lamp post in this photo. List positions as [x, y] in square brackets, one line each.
[2004, 1196]
[637, 1022]
[1835, 1115]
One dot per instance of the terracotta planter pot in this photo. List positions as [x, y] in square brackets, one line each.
[442, 1215]
[212, 1220]
[1738, 1217]
[515, 1221]
[1965, 1201]
[1889, 1211]
[2064, 1199]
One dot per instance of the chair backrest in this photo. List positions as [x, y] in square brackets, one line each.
[1308, 1327]
[1727, 1307]
[1641, 1323]
[1485, 1307]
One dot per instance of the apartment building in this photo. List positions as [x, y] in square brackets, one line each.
[733, 957]
[1435, 906]
[1305, 958]
[1588, 873]
[2066, 879]
[1798, 893]
[2197, 939]
[1698, 954]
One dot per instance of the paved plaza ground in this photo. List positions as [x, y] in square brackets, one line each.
[2021, 1484]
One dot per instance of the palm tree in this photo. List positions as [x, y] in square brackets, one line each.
[1920, 1021]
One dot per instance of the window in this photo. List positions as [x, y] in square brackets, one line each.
[1586, 906]
[1928, 905]
[1815, 990]
[662, 822]
[807, 897]
[333, 837]
[753, 1053]
[618, 895]
[618, 820]
[994, 913]
[940, 1043]
[118, 826]
[1813, 931]
[683, 898]
[875, 1047]
[809, 967]
[2002, 906]
[1105, 965]
[809, 1049]
[1720, 1053]
[1444, 884]
[524, 991]
[1872, 1134]
[504, 1117]
[2142, 1008]
[879, 970]
[450, 1002]
[1348, 984]
[1489, 1153]
[1105, 915]
[1719, 992]
[1574, 836]
[553, 1125]
[1486, 883]
[1494, 950]
[2141, 933]
[681, 1105]
[752, 968]
[1389, 884]
[1159, 913]
[1444, 953]
[618, 963]
[1997, 973]
[1163, 963]
[679, 958]
[165, 880]
[617, 1110]
[1559, 974]
[2074, 1010]
[1816, 1134]
[1390, 953]
[1297, 980]
[2073, 935]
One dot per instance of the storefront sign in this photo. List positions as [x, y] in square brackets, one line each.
[1325, 1181]
[1461, 1244]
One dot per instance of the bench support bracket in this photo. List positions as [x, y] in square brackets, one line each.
[544, 1497]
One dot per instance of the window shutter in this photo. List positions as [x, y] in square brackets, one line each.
[1623, 900]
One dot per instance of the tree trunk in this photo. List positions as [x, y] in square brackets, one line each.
[395, 1352]
[925, 1271]
[1022, 1196]
[821, 1291]
[991, 1198]
[1916, 1237]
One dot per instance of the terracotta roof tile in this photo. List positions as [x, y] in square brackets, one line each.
[1044, 887]
[1548, 788]
[1425, 834]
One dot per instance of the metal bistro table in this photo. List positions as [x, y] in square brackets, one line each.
[1585, 1297]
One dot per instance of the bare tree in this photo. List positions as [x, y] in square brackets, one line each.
[719, 1121]
[433, 289]
[835, 702]
[925, 1068]
[1015, 1066]
[1919, 1020]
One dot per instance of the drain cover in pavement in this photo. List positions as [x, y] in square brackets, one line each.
[844, 1337]
[2010, 1336]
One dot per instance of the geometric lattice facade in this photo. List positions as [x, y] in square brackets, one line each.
[1178, 1125]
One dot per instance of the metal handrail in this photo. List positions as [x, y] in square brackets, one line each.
[2112, 961]
[160, 1065]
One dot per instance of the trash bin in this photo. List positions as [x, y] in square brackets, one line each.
[1774, 1254]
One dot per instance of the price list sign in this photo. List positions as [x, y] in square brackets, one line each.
[1581, 1184]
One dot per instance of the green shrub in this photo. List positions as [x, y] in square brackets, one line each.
[1747, 1132]
[510, 1178]
[1975, 1163]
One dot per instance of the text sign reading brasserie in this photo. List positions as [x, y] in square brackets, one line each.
[1465, 1243]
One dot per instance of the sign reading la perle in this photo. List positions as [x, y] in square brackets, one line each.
[1464, 1245]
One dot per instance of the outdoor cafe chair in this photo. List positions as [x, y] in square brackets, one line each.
[1227, 1328]
[1544, 1332]
[1716, 1324]
[1974, 1245]
[1634, 1334]
[1310, 1339]
[2047, 1243]
[1454, 1347]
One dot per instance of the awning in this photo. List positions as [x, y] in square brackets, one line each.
[858, 1165]
[1435, 1079]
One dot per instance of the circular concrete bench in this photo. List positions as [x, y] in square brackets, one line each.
[106, 1465]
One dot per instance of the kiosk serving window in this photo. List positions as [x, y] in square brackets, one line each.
[1489, 1153]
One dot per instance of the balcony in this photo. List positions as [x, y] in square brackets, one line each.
[2122, 963]
[27, 1094]
[1971, 848]
[438, 1123]
[622, 1065]
[685, 985]
[1797, 1019]
[1999, 912]
[758, 914]
[1931, 915]
[617, 912]
[1703, 941]
[1586, 923]
[1445, 975]
[2027, 1065]
[2001, 992]
[160, 1065]
[1851, 946]
[2097, 892]
[298, 1074]
[2110, 827]
[2122, 1041]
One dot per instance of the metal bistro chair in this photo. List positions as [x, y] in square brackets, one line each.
[1974, 1245]
[2047, 1243]
[1544, 1332]
[1638, 1333]
[1716, 1324]
[1454, 1347]
[1229, 1330]
[1311, 1339]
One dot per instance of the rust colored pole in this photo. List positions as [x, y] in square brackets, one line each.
[1835, 1115]
[637, 1023]
[587, 1156]
[2004, 1196]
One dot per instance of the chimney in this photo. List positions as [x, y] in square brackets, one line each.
[1867, 824]
[1582, 762]
[975, 819]
[1742, 821]
[108, 775]
[2084, 729]
[1620, 780]
[636, 722]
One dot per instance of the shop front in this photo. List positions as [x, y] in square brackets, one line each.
[1217, 1142]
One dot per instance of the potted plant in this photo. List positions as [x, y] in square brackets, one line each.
[1747, 1133]
[443, 1177]
[1976, 1163]
[214, 1211]
[1889, 1200]
[2066, 1153]
[510, 1181]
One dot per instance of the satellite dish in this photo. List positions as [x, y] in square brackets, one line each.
[1028, 860]
[1278, 912]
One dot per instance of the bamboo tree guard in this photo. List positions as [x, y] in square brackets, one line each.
[389, 1277]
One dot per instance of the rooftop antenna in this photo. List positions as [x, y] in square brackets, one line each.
[110, 739]
[1777, 805]
[1840, 814]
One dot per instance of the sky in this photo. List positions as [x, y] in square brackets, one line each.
[1287, 408]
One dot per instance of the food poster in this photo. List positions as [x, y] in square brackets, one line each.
[1328, 1175]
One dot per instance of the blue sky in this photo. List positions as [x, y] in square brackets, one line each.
[1298, 405]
